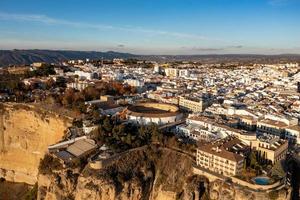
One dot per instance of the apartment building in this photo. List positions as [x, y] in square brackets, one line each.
[271, 126]
[193, 105]
[79, 85]
[222, 157]
[172, 72]
[289, 130]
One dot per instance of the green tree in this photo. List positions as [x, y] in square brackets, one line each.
[278, 170]
[32, 194]
[107, 124]
[253, 159]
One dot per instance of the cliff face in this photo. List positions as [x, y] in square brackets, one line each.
[219, 190]
[149, 173]
[25, 133]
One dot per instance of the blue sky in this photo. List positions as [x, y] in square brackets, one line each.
[152, 26]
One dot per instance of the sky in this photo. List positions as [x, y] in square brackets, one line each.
[152, 26]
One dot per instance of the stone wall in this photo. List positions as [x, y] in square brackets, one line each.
[213, 177]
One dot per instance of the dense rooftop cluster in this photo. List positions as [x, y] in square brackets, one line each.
[237, 121]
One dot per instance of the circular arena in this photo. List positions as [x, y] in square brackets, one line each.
[158, 113]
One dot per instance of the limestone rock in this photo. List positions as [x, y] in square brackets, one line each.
[25, 134]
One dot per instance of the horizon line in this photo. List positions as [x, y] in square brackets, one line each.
[204, 54]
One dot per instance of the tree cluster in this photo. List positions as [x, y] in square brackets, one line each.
[48, 164]
[13, 85]
[120, 136]
[42, 71]
[255, 162]
[74, 99]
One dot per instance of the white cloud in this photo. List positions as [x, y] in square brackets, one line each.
[149, 48]
[54, 21]
[139, 49]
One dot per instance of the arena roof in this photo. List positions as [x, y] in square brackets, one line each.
[153, 110]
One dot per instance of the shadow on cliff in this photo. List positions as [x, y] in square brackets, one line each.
[155, 172]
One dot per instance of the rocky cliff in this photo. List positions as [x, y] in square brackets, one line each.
[25, 133]
[150, 173]
[220, 190]
[147, 173]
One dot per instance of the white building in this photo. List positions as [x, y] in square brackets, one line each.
[156, 69]
[192, 105]
[135, 82]
[184, 73]
[158, 113]
[79, 85]
[197, 133]
[86, 75]
[172, 72]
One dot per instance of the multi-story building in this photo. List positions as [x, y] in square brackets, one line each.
[172, 72]
[272, 127]
[184, 73]
[79, 85]
[219, 158]
[118, 61]
[197, 133]
[157, 69]
[135, 82]
[193, 105]
[292, 133]
[271, 147]
[275, 125]
[86, 75]
[38, 64]
[223, 130]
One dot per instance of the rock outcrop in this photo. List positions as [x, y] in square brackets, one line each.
[220, 190]
[25, 133]
[148, 173]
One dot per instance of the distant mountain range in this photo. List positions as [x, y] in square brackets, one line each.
[19, 57]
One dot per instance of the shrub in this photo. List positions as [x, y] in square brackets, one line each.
[49, 163]
[273, 195]
[32, 194]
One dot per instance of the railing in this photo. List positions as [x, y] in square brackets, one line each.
[212, 176]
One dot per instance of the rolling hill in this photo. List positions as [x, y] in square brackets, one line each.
[21, 57]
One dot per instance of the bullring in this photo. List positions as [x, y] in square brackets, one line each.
[158, 113]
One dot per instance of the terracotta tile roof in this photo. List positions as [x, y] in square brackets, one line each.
[222, 152]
